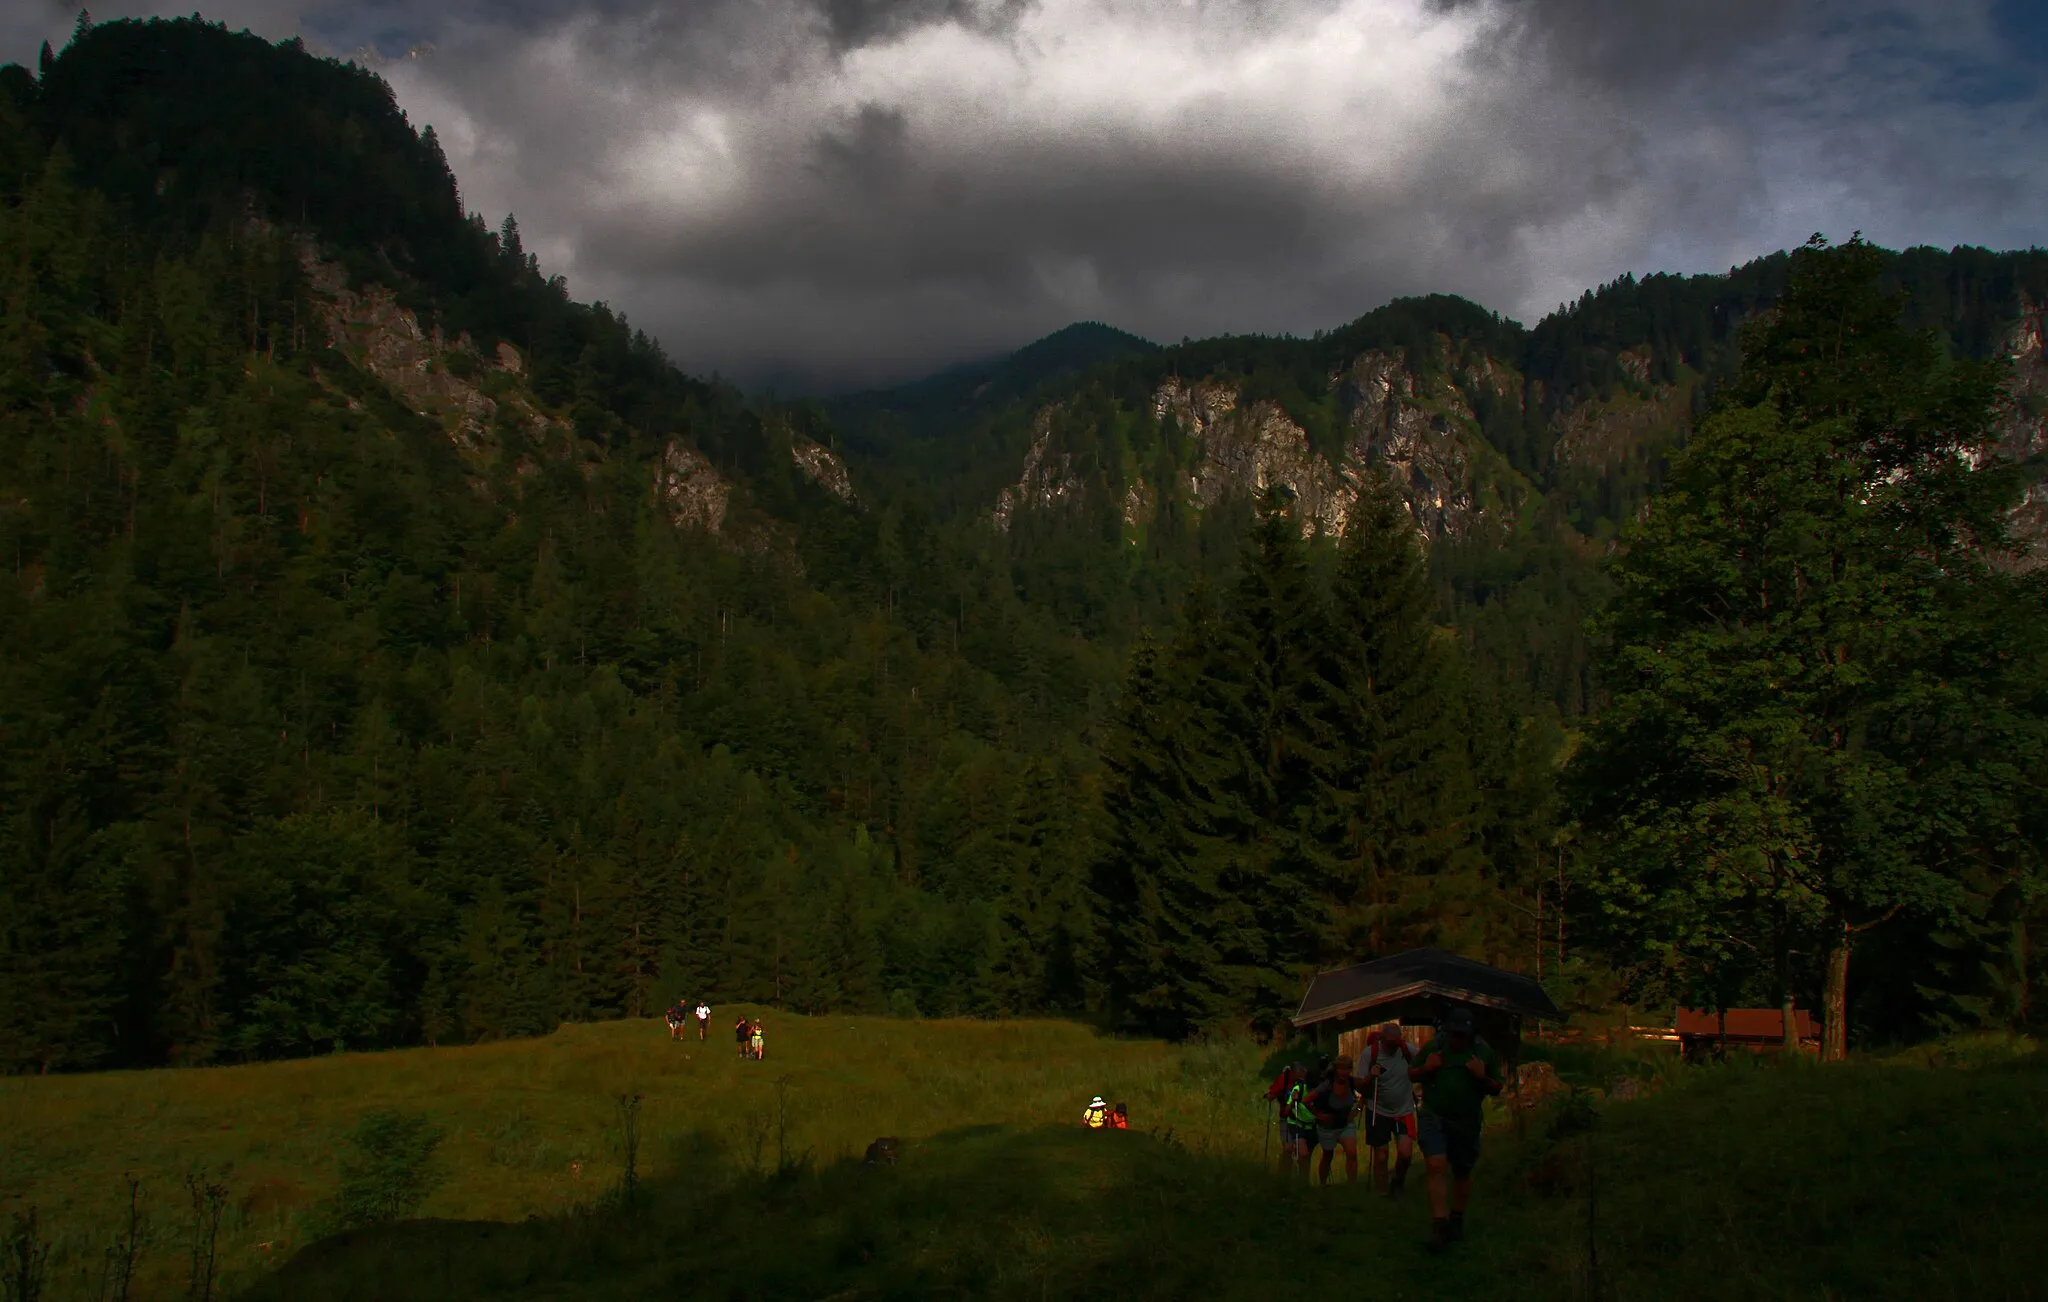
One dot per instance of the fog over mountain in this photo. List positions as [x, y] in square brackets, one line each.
[840, 192]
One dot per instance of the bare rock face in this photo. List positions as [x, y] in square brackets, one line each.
[1048, 477]
[822, 467]
[690, 489]
[2023, 431]
[424, 370]
[1247, 449]
[1423, 438]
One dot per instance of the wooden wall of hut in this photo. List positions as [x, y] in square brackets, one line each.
[1501, 1030]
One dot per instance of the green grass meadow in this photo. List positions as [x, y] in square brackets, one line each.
[1916, 1176]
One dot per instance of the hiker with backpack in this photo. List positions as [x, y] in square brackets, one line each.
[1459, 1074]
[742, 1033]
[1390, 1106]
[1289, 1093]
[1096, 1115]
[757, 1042]
[703, 1021]
[1334, 1104]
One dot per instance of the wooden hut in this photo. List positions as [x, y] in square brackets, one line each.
[1416, 989]
[1702, 1032]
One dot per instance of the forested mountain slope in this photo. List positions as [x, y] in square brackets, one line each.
[1518, 451]
[391, 647]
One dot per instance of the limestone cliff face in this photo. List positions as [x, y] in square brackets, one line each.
[1421, 435]
[433, 376]
[1048, 477]
[446, 381]
[822, 467]
[2023, 431]
[1246, 448]
[690, 489]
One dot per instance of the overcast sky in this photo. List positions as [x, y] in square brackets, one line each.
[860, 190]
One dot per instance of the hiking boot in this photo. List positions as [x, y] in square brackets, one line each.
[1440, 1239]
[1397, 1188]
[1457, 1228]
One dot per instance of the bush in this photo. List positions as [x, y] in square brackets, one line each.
[388, 1170]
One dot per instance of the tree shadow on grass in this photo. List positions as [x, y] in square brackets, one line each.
[978, 1212]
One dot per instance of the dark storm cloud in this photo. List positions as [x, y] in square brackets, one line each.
[855, 190]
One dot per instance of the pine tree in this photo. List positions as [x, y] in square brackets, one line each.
[1259, 737]
[1395, 810]
[1203, 908]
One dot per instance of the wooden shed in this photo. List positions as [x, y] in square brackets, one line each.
[1701, 1031]
[1415, 989]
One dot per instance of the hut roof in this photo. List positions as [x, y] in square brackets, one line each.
[1429, 973]
[1767, 1024]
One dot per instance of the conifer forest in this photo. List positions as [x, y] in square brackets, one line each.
[396, 650]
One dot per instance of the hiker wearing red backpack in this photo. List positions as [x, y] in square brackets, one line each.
[1390, 1106]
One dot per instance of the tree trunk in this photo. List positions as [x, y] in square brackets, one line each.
[1790, 1028]
[1834, 1044]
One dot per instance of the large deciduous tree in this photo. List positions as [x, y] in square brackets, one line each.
[1826, 701]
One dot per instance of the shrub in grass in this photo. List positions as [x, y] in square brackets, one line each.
[387, 1170]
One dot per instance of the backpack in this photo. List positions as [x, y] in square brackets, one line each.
[1297, 1107]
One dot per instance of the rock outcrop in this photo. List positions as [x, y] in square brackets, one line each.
[821, 466]
[1422, 436]
[1048, 477]
[690, 489]
[433, 376]
[1247, 448]
[2023, 431]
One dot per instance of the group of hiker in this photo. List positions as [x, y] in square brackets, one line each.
[749, 1038]
[1100, 1116]
[746, 1034]
[1457, 1073]
[680, 1015]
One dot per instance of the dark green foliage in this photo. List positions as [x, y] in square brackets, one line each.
[1828, 707]
[387, 1170]
[321, 729]
[316, 734]
[1291, 783]
[1395, 813]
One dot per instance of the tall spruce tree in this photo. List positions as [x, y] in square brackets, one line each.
[1204, 891]
[1395, 811]
[1158, 904]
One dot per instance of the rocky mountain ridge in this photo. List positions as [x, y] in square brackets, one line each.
[474, 397]
[1418, 425]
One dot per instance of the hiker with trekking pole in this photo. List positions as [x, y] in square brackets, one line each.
[1289, 1095]
[1390, 1104]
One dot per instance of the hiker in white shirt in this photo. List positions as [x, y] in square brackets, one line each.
[1390, 1104]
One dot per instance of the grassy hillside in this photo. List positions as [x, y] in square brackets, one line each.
[532, 1125]
[1904, 1177]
